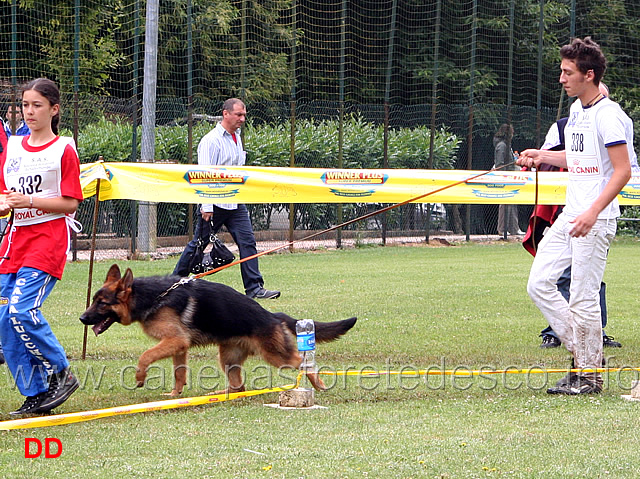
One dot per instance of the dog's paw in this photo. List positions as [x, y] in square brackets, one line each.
[141, 375]
[227, 391]
[321, 386]
[173, 393]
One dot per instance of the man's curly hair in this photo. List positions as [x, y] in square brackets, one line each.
[587, 55]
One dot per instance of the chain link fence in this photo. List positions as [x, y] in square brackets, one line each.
[340, 84]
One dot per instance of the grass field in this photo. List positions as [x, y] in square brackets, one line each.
[463, 306]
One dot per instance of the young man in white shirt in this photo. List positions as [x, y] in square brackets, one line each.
[546, 214]
[597, 157]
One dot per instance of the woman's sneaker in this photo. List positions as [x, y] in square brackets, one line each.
[30, 405]
[61, 386]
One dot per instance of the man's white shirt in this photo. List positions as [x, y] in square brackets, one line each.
[588, 133]
[218, 148]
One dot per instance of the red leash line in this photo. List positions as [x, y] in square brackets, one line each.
[346, 223]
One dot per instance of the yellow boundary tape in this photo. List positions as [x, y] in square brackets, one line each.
[58, 420]
[70, 418]
[471, 372]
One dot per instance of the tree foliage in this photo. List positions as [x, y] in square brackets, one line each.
[357, 51]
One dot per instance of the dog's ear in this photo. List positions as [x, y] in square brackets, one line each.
[113, 274]
[124, 287]
[128, 278]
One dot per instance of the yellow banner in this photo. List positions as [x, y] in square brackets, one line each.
[170, 183]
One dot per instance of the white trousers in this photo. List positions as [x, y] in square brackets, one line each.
[577, 322]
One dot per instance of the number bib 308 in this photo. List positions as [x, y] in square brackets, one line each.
[583, 158]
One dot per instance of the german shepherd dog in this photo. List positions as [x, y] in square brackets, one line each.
[182, 314]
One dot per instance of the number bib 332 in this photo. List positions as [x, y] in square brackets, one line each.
[34, 173]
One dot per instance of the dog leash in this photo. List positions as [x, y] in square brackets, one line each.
[177, 284]
[346, 223]
[535, 215]
[535, 211]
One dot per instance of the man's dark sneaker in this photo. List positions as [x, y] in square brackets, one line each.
[549, 341]
[608, 342]
[262, 293]
[61, 386]
[569, 377]
[566, 380]
[30, 405]
[575, 385]
[1, 357]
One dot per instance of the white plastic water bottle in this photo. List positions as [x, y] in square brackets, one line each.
[306, 336]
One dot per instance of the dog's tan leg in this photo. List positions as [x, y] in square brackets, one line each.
[180, 371]
[232, 357]
[294, 362]
[315, 381]
[280, 351]
[167, 347]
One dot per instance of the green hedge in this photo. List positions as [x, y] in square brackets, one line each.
[316, 146]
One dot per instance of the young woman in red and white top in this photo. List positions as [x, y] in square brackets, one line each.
[40, 180]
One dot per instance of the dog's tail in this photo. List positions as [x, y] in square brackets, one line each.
[324, 331]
